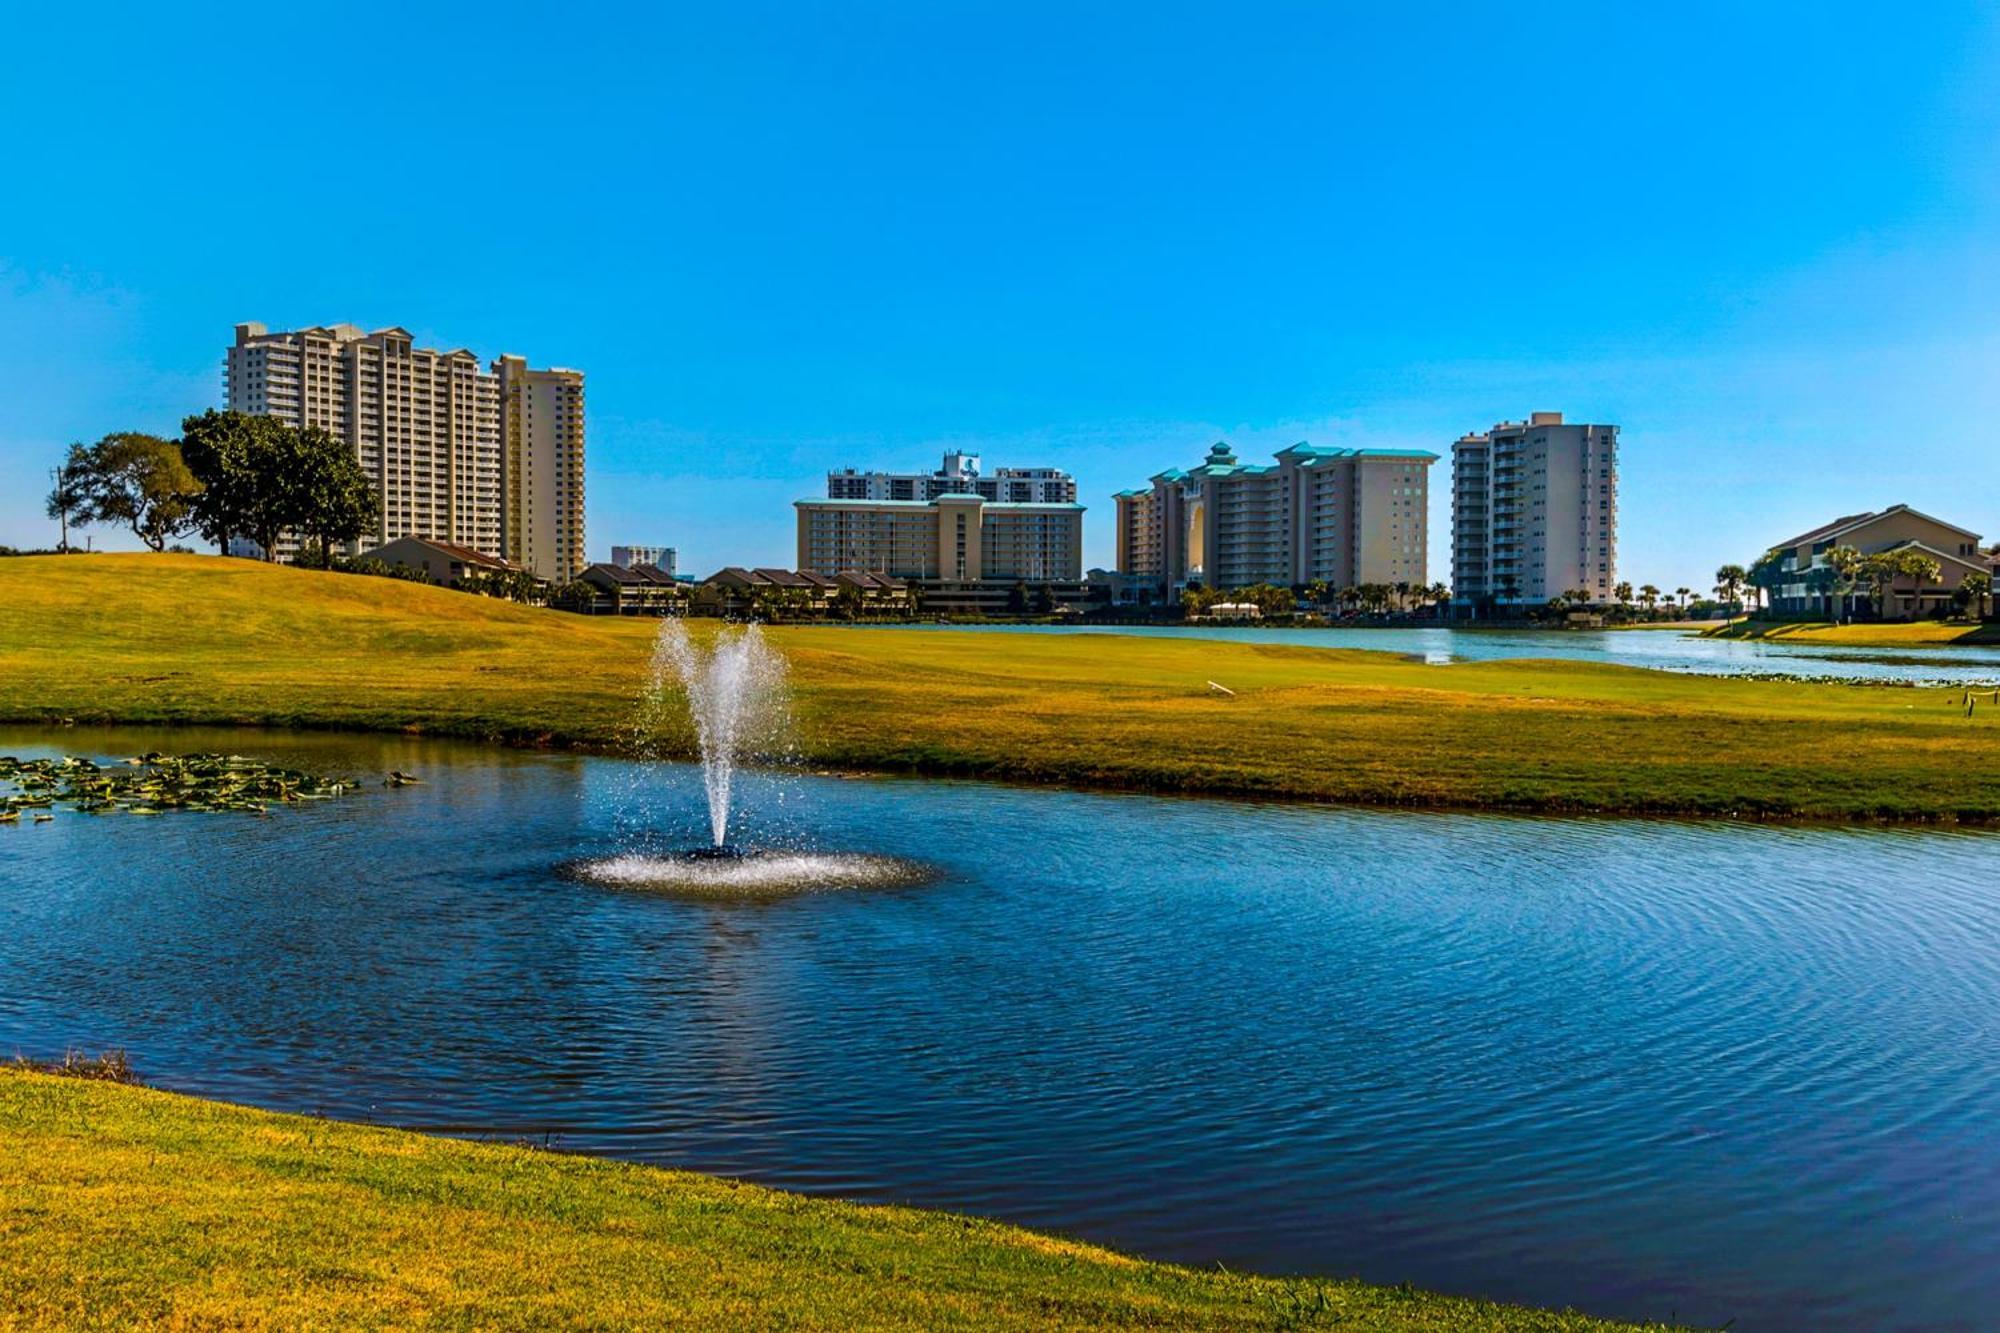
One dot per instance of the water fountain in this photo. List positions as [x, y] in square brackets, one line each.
[734, 697]
[734, 691]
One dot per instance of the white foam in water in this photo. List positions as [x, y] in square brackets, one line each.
[754, 874]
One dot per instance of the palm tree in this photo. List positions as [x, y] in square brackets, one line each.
[1767, 575]
[1623, 592]
[1879, 572]
[1845, 562]
[1683, 595]
[1649, 597]
[1977, 587]
[1729, 581]
[1439, 596]
[1923, 571]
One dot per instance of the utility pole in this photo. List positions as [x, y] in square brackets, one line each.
[58, 473]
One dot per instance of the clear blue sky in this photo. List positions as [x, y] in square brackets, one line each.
[1765, 239]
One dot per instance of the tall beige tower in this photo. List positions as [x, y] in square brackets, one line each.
[424, 424]
[541, 468]
[491, 459]
[1534, 513]
[1339, 516]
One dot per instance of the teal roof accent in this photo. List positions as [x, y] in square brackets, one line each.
[822, 502]
[1221, 461]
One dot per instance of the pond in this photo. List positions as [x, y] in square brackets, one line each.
[1644, 1068]
[1663, 650]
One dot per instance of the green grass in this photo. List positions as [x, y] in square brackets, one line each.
[122, 1206]
[1914, 634]
[195, 639]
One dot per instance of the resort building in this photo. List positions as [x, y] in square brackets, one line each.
[625, 590]
[960, 475]
[956, 538]
[735, 591]
[1534, 507]
[1809, 585]
[659, 557]
[1344, 517]
[442, 563]
[541, 468]
[487, 459]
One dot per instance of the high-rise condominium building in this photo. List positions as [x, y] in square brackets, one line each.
[491, 459]
[959, 538]
[960, 475]
[662, 558]
[1342, 516]
[541, 468]
[1534, 507]
[955, 525]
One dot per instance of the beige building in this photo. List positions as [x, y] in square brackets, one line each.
[541, 468]
[490, 460]
[1342, 516]
[1534, 512]
[961, 472]
[1808, 584]
[443, 563]
[956, 538]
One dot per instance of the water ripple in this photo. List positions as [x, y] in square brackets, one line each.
[1642, 1067]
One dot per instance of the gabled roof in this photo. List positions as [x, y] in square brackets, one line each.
[769, 578]
[465, 555]
[1841, 526]
[782, 578]
[1928, 518]
[1979, 563]
[855, 578]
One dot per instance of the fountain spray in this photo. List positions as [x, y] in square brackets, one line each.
[734, 694]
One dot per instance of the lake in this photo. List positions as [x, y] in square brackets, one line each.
[1663, 650]
[1644, 1068]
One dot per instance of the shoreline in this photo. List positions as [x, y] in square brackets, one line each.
[129, 1199]
[167, 640]
[918, 771]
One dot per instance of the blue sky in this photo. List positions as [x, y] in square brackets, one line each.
[1764, 239]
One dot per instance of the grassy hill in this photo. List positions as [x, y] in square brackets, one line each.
[122, 1207]
[149, 638]
[1915, 634]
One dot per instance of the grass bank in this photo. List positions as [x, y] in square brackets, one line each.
[195, 639]
[1915, 634]
[121, 1206]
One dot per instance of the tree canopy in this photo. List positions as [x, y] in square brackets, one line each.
[336, 501]
[135, 480]
[263, 479]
